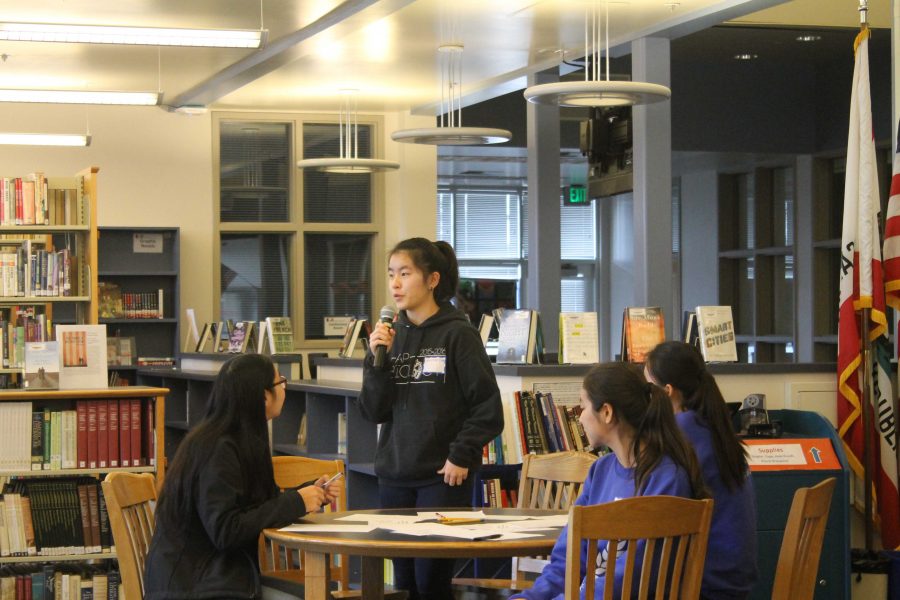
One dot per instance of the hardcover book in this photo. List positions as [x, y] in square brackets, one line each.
[82, 356]
[519, 336]
[41, 366]
[240, 336]
[281, 335]
[355, 330]
[579, 338]
[643, 327]
[716, 329]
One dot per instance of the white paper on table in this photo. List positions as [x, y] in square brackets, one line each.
[329, 527]
[551, 520]
[384, 520]
[472, 532]
[454, 514]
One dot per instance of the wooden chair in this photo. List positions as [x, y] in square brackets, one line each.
[280, 562]
[674, 529]
[798, 561]
[130, 502]
[547, 481]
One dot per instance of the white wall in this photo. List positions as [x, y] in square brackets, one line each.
[156, 170]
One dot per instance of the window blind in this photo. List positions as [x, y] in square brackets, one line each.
[255, 276]
[255, 162]
[337, 276]
[578, 232]
[487, 225]
[335, 197]
[573, 295]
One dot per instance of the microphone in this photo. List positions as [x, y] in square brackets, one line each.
[387, 317]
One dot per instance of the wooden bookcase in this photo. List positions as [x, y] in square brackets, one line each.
[68, 400]
[81, 238]
[121, 262]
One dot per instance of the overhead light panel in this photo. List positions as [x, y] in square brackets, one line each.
[80, 97]
[44, 139]
[451, 132]
[594, 91]
[348, 160]
[146, 36]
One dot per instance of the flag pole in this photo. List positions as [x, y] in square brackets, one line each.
[864, 400]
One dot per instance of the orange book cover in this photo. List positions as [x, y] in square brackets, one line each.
[644, 328]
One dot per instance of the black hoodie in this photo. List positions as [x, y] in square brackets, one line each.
[437, 398]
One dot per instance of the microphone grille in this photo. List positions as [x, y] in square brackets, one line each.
[387, 313]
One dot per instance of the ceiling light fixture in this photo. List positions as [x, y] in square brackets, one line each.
[348, 135]
[745, 56]
[147, 36]
[593, 91]
[44, 139]
[808, 38]
[451, 132]
[80, 97]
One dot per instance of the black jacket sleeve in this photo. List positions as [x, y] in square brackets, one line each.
[376, 397]
[229, 523]
[478, 387]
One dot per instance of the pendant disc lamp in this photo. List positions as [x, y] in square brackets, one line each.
[348, 134]
[451, 132]
[594, 91]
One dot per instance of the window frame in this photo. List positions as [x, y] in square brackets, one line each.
[296, 226]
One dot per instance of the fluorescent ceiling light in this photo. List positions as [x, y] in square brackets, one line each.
[148, 36]
[44, 139]
[80, 97]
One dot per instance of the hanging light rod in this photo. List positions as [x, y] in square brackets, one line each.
[348, 160]
[594, 91]
[44, 139]
[80, 97]
[146, 36]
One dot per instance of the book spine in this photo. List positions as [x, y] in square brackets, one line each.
[136, 458]
[112, 410]
[37, 440]
[107, 543]
[93, 437]
[102, 434]
[125, 434]
[148, 433]
[85, 511]
[81, 410]
[94, 506]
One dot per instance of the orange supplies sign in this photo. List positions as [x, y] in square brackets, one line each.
[814, 454]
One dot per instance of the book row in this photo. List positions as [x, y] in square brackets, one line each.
[274, 335]
[31, 271]
[29, 201]
[535, 425]
[96, 434]
[113, 303]
[18, 325]
[495, 493]
[53, 516]
[53, 583]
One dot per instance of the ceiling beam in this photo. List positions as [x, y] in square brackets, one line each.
[348, 16]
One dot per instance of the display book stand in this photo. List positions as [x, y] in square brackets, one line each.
[63, 216]
[52, 458]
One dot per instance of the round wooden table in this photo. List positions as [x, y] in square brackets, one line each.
[378, 544]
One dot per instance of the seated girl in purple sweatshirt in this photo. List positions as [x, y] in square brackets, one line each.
[649, 457]
[700, 411]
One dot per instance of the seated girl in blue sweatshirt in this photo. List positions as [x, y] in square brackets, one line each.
[700, 411]
[649, 457]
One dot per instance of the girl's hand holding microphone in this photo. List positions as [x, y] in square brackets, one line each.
[382, 335]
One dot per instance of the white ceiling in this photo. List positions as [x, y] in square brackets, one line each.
[384, 48]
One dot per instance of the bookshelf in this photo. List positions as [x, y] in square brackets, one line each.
[68, 224]
[151, 411]
[141, 261]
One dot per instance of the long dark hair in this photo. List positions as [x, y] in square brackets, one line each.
[681, 366]
[235, 409]
[647, 409]
[433, 257]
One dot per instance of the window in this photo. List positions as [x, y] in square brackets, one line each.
[275, 219]
[488, 229]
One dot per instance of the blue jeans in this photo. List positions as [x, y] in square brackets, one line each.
[426, 578]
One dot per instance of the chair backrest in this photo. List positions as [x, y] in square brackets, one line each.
[674, 531]
[553, 481]
[130, 502]
[279, 561]
[798, 561]
[547, 481]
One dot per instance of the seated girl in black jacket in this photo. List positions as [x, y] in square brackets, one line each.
[220, 493]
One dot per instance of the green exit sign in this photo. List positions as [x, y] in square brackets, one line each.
[575, 195]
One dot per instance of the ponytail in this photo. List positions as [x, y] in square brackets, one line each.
[658, 435]
[681, 366]
[648, 411]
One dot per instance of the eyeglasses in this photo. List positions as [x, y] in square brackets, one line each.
[282, 381]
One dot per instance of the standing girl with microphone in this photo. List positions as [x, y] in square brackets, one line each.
[435, 397]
